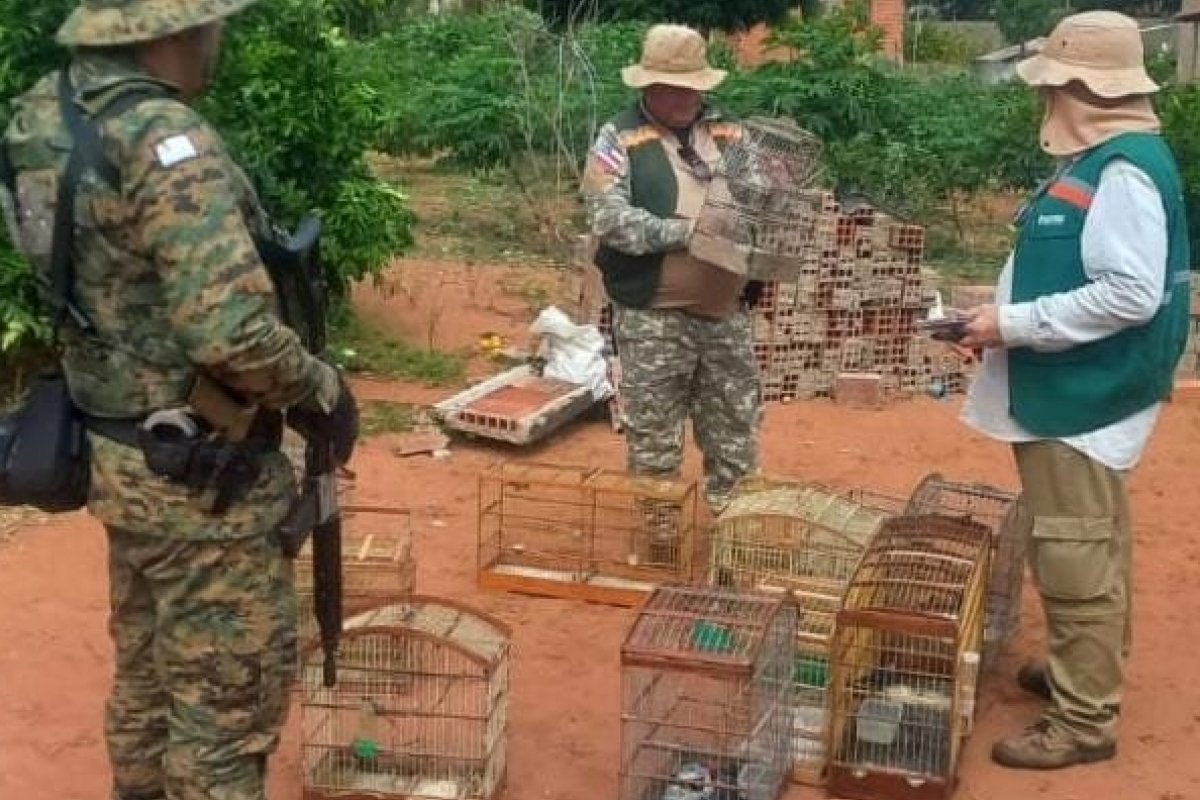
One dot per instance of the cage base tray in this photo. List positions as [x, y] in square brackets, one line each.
[565, 584]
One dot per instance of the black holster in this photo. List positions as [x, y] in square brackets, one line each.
[204, 462]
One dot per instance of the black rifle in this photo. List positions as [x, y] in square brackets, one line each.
[297, 273]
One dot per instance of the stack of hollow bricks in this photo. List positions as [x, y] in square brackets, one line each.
[850, 311]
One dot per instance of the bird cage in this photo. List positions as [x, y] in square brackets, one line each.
[420, 709]
[905, 660]
[806, 540]
[761, 213]
[377, 564]
[706, 679]
[1006, 517]
[583, 533]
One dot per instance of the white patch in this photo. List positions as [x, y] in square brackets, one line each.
[1051, 219]
[172, 150]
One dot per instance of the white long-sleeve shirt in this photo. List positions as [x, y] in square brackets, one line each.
[1124, 249]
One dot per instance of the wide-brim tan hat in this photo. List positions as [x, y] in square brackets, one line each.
[673, 55]
[1100, 49]
[109, 23]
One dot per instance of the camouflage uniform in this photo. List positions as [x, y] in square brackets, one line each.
[203, 611]
[687, 349]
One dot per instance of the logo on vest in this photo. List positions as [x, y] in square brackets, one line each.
[1047, 220]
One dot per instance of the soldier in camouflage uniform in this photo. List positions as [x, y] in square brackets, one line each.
[681, 325]
[203, 610]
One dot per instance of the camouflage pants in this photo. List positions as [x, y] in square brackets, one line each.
[205, 636]
[674, 365]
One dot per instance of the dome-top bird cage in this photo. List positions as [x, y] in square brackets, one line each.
[806, 540]
[905, 660]
[419, 711]
[1008, 521]
[761, 214]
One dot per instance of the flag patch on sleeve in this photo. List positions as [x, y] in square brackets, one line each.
[609, 158]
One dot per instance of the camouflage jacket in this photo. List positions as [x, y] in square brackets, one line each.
[167, 272]
[615, 219]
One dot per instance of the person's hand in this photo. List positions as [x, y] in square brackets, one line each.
[983, 327]
[339, 426]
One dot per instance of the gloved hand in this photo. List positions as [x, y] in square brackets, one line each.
[338, 425]
[752, 293]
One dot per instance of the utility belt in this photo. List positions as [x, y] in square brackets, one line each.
[183, 449]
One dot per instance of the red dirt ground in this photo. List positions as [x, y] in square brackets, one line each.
[564, 712]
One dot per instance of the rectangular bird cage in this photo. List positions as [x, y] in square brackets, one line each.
[419, 711]
[1008, 522]
[583, 533]
[905, 660]
[706, 677]
[804, 539]
[761, 214]
[377, 564]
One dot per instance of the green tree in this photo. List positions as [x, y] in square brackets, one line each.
[705, 15]
[1022, 20]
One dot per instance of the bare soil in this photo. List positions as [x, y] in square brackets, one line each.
[55, 658]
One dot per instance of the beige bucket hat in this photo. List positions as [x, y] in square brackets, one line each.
[1100, 49]
[106, 23]
[674, 55]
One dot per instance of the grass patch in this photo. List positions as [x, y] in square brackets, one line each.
[360, 347]
[379, 417]
[486, 216]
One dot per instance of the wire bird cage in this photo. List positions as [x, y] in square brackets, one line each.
[905, 660]
[761, 213]
[783, 536]
[377, 564]
[420, 709]
[1008, 522]
[583, 533]
[706, 711]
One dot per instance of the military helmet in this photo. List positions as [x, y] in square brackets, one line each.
[106, 23]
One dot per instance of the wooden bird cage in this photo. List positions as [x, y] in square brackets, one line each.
[762, 212]
[905, 660]
[583, 533]
[783, 536]
[377, 564]
[420, 709]
[706, 679]
[1008, 522]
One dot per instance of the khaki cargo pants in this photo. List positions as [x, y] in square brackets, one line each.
[1080, 555]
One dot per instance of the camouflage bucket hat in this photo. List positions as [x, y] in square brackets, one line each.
[105, 23]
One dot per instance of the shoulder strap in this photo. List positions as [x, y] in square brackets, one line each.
[7, 175]
[87, 152]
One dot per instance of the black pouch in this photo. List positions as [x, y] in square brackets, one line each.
[44, 451]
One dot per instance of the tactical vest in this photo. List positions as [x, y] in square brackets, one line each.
[633, 281]
[1094, 385]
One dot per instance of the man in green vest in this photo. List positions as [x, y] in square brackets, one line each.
[681, 325]
[1080, 350]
